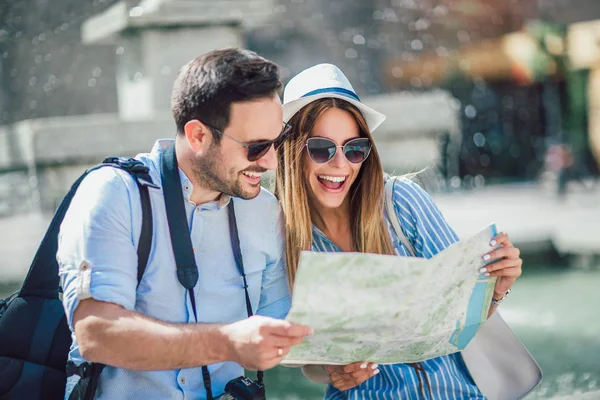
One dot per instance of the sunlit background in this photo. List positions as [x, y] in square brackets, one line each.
[498, 100]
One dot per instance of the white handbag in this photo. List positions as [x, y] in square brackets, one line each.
[498, 362]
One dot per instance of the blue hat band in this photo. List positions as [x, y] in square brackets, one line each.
[338, 90]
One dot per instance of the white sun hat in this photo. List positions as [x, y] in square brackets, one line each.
[321, 81]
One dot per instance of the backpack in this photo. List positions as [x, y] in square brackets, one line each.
[34, 336]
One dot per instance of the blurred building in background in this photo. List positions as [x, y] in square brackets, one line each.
[498, 97]
[499, 82]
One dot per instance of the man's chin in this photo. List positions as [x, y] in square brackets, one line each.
[249, 195]
[246, 191]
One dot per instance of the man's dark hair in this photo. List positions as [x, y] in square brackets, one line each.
[207, 85]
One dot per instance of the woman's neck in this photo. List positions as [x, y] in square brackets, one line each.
[335, 224]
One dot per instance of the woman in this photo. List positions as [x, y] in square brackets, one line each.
[330, 183]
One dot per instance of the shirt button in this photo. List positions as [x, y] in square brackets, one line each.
[182, 380]
[186, 187]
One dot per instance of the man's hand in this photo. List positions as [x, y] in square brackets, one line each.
[260, 343]
[344, 377]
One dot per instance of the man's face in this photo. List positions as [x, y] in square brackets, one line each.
[225, 167]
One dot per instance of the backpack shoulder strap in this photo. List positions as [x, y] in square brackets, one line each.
[140, 174]
[42, 279]
[394, 218]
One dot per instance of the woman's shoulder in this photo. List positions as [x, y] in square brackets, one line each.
[407, 189]
[420, 215]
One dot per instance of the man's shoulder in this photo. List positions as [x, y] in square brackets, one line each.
[107, 188]
[104, 191]
[107, 178]
[265, 199]
[408, 188]
[264, 207]
[118, 179]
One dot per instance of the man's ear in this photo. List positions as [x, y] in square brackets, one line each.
[198, 136]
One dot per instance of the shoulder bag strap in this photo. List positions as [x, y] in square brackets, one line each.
[394, 218]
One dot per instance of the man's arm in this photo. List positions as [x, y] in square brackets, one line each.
[275, 296]
[109, 334]
[97, 260]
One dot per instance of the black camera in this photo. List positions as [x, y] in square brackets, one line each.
[243, 388]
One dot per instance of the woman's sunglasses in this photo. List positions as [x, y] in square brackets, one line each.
[322, 150]
[258, 149]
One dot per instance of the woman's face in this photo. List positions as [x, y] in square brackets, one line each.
[329, 183]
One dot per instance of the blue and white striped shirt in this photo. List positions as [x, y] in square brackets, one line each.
[446, 376]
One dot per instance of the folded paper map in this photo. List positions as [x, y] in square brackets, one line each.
[389, 309]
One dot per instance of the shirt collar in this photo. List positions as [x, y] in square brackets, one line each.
[187, 188]
[320, 233]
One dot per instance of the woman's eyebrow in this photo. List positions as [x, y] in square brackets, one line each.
[343, 143]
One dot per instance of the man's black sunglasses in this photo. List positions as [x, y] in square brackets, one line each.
[259, 149]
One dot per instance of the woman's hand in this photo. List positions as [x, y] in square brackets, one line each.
[507, 267]
[344, 377]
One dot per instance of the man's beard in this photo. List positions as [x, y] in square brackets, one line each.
[210, 173]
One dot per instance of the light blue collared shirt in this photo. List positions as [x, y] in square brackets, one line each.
[97, 257]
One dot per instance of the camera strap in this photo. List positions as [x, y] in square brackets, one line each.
[187, 270]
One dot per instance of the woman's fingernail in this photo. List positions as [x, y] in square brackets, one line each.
[487, 274]
[486, 257]
[363, 366]
[374, 366]
[483, 270]
[493, 243]
[376, 372]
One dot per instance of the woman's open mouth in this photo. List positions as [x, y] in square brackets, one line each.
[333, 184]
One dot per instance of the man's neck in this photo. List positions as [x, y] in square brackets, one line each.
[201, 194]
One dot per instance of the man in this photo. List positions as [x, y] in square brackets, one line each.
[224, 103]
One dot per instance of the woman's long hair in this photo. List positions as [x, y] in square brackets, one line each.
[369, 231]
